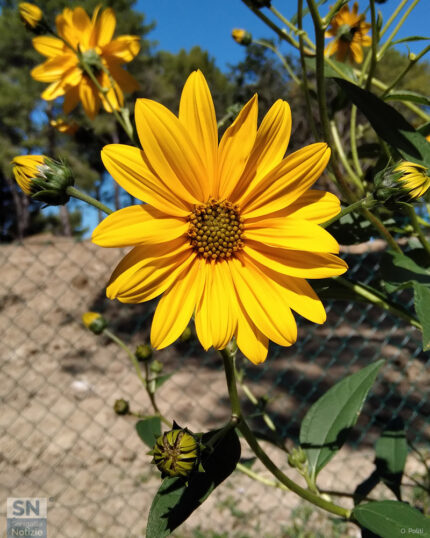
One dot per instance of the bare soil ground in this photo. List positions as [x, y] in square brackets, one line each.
[60, 438]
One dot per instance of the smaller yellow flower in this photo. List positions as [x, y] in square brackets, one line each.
[30, 14]
[176, 452]
[65, 127]
[43, 178]
[94, 321]
[414, 178]
[350, 35]
[241, 36]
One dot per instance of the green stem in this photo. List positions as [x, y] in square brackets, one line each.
[417, 228]
[228, 358]
[379, 301]
[393, 16]
[374, 46]
[131, 355]
[333, 10]
[382, 230]
[298, 31]
[396, 29]
[72, 191]
[339, 147]
[367, 202]
[353, 141]
[255, 476]
[151, 394]
[412, 62]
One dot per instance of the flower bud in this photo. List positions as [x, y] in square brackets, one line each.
[297, 458]
[404, 181]
[143, 352]
[156, 367]
[241, 36]
[121, 407]
[94, 321]
[30, 14]
[176, 452]
[43, 179]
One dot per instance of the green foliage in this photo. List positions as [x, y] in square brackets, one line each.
[391, 451]
[388, 519]
[149, 429]
[327, 423]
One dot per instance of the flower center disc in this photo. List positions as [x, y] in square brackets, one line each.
[216, 229]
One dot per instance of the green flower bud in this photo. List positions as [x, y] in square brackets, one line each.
[241, 36]
[156, 367]
[186, 335]
[94, 321]
[176, 452]
[143, 352]
[43, 179]
[297, 458]
[121, 407]
[405, 181]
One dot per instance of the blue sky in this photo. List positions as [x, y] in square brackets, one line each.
[185, 23]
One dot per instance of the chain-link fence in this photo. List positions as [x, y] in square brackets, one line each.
[60, 438]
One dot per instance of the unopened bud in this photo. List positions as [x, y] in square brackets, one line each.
[94, 321]
[43, 178]
[31, 15]
[121, 407]
[156, 367]
[241, 36]
[405, 181]
[186, 335]
[176, 452]
[297, 458]
[143, 352]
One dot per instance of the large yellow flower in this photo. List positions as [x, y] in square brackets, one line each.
[94, 40]
[350, 35]
[228, 233]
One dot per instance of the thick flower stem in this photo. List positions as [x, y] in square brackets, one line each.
[382, 230]
[367, 202]
[79, 195]
[417, 229]
[228, 358]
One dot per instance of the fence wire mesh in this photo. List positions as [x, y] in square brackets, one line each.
[59, 436]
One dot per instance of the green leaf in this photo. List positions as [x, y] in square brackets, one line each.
[422, 308]
[389, 124]
[327, 423]
[400, 271]
[175, 501]
[148, 430]
[391, 450]
[405, 95]
[161, 379]
[391, 519]
[339, 68]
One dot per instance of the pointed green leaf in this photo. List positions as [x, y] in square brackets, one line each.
[400, 271]
[389, 124]
[334, 70]
[327, 423]
[389, 519]
[391, 450]
[422, 308]
[161, 379]
[175, 501]
[148, 430]
[405, 95]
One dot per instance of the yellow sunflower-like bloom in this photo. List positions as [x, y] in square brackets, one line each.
[93, 37]
[228, 233]
[350, 35]
[30, 14]
[26, 169]
[414, 178]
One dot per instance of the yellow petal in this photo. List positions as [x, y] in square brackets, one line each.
[291, 234]
[82, 25]
[216, 317]
[129, 167]
[270, 146]
[71, 99]
[114, 97]
[297, 293]
[287, 181]
[197, 115]
[49, 46]
[176, 306]
[270, 312]
[356, 52]
[316, 206]
[170, 150]
[250, 340]
[65, 28]
[54, 90]
[53, 69]
[89, 98]
[138, 225]
[104, 28]
[296, 262]
[235, 147]
[124, 48]
[147, 269]
[125, 81]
